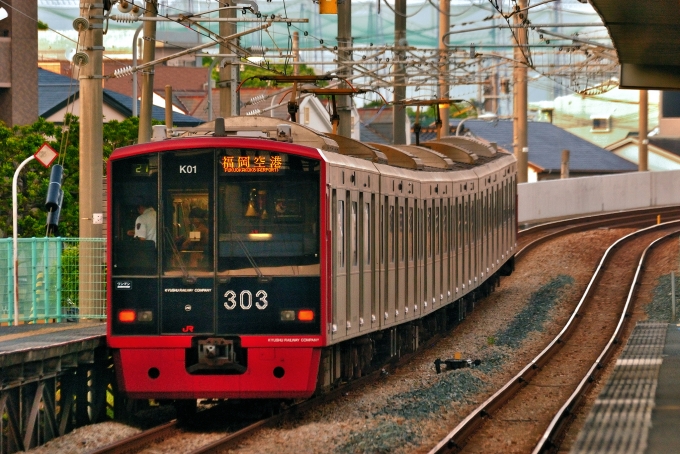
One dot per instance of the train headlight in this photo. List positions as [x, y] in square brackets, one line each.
[145, 316]
[287, 316]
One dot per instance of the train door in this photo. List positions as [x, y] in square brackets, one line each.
[353, 277]
[420, 255]
[446, 255]
[187, 291]
[400, 252]
[436, 250]
[429, 252]
[366, 245]
[411, 302]
[339, 211]
[390, 259]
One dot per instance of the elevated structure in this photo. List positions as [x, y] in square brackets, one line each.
[646, 36]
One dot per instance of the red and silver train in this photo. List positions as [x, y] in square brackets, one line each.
[285, 261]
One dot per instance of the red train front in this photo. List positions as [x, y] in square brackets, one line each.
[224, 299]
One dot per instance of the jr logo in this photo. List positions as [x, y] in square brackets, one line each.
[188, 329]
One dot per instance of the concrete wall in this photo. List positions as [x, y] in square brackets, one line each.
[545, 200]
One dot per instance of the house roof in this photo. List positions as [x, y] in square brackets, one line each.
[546, 142]
[55, 90]
[669, 144]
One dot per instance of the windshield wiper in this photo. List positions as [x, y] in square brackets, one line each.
[260, 277]
[187, 279]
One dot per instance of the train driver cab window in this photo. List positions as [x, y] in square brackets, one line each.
[267, 213]
[188, 179]
[134, 221]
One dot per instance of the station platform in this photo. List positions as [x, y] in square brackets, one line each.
[46, 347]
[638, 410]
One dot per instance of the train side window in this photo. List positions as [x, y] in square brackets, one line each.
[391, 235]
[367, 233]
[355, 234]
[341, 233]
[428, 227]
[401, 234]
[381, 240]
[411, 238]
[437, 230]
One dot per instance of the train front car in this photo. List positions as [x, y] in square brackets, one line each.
[221, 296]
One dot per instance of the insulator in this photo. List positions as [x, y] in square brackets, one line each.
[81, 24]
[123, 72]
[80, 59]
[256, 99]
[260, 50]
[254, 112]
[126, 18]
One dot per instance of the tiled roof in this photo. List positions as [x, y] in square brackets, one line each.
[546, 142]
[180, 78]
[54, 90]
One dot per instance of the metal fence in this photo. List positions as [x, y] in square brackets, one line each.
[59, 279]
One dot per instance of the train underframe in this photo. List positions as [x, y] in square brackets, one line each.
[360, 356]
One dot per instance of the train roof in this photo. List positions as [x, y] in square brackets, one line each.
[447, 153]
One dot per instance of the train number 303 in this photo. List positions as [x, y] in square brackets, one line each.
[245, 300]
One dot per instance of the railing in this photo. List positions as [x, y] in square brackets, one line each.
[60, 279]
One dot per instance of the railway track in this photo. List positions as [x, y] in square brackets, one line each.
[527, 240]
[531, 237]
[538, 403]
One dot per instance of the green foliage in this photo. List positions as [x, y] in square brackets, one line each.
[42, 25]
[70, 281]
[19, 142]
[428, 115]
[375, 103]
[267, 69]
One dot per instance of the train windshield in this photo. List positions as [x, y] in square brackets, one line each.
[268, 213]
[237, 212]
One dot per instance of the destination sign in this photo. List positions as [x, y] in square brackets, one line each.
[250, 164]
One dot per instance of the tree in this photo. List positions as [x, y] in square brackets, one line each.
[19, 142]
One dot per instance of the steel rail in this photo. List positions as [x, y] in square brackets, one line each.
[456, 439]
[560, 422]
[141, 440]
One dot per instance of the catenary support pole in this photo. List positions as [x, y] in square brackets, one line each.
[444, 27]
[344, 102]
[148, 54]
[399, 109]
[642, 136]
[229, 72]
[91, 163]
[521, 54]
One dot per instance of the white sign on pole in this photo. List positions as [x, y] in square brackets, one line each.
[45, 154]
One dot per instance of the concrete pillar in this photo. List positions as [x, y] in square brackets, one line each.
[18, 63]
[91, 296]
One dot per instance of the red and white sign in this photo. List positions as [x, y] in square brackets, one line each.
[45, 154]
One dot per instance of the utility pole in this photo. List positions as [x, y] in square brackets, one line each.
[91, 257]
[344, 69]
[148, 55]
[444, 27]
[399, 71]
[296, 53]
[642, 135]
[230, 70]
[521, 53]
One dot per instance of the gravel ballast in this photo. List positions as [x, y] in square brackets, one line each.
[409, 410]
